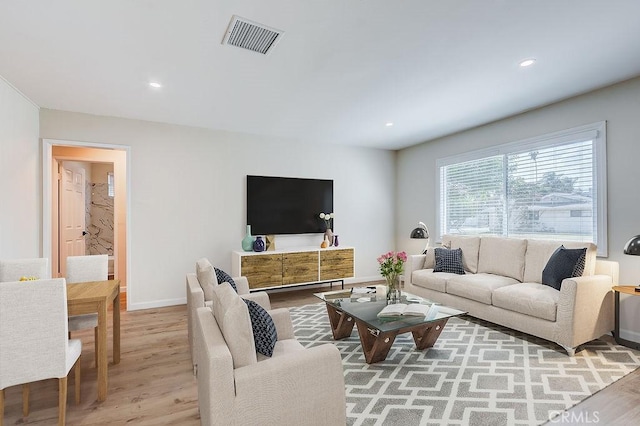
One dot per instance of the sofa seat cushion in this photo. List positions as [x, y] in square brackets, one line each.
[478, 287]
[537, 300]
[283, 347]
[426, 278]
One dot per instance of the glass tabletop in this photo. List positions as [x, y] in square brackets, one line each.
[367, 306]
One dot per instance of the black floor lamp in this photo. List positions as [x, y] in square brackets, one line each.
[633, 248]
[421, 233]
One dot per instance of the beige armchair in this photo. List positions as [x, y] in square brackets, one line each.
[199, 293]
[34, 342]
[236, 386]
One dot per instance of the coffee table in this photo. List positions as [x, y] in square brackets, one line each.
[378, 334]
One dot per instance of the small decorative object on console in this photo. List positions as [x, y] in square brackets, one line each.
[258, 244]
[247, 241]
[270, 240]
[328, 218]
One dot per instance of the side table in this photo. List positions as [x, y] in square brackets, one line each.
[626, 289]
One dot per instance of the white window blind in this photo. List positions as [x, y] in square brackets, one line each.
[551, 187]
[111, 188]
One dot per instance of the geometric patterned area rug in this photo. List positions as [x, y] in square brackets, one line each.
[477, 373]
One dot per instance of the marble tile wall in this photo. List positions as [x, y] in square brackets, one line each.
[99, 219]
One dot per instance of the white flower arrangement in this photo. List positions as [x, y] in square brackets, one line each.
[327, 217]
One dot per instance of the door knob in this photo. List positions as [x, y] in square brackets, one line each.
[84, 233]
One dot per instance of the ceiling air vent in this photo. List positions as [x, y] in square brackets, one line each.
[251, 35]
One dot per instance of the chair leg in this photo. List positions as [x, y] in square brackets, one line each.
[1, 407]
[25, 400]
[62, 400]
[95, 346]
[76, 373]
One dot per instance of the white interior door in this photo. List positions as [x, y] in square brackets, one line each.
[72, 213]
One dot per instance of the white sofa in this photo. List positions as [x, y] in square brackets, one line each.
[502, 284]
[199, 286]
[237, 386]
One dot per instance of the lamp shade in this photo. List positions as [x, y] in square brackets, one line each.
[419, 233]
[633, 246]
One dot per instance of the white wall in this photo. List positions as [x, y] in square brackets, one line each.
[20, 171]
[188, 195]
[619, 105]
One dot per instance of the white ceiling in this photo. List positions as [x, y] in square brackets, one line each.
[342, 70]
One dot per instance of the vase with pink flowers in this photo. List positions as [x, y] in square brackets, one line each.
[391, 267]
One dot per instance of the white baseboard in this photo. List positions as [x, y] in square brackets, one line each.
[634, 336]
[183, 300]
[156, 304]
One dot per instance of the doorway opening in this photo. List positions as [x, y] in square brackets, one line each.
[85, 205]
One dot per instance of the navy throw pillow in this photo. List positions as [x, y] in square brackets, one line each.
[223, 277]
[563, 263]
[448, 260]
[264, 329]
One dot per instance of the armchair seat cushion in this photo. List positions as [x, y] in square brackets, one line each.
[283, 347]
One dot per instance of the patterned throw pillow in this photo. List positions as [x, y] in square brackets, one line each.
[264, 329]
[448, 260]
[223, 277]
[563, 263]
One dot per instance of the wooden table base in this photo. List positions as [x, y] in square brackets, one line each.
[375, 343]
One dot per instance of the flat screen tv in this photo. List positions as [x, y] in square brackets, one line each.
[283, 205]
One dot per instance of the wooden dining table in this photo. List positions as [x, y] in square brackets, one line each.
[94, 297]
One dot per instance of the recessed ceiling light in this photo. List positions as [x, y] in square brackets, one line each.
[155, 84]
[389, 124]
[527, 62]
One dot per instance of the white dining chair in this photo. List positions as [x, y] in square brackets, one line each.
[32, 268]
[34, 342]
[83, 269]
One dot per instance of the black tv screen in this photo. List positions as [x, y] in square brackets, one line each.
[282, 205]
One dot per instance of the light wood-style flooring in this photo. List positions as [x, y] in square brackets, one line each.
[154, 383]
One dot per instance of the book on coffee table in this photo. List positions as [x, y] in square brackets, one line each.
[412, 309]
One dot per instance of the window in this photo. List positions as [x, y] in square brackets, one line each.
[551, 187]
[111, 190]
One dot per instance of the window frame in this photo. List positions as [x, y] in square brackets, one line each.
[597, 132]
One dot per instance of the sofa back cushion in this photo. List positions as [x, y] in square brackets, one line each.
[232, 316]
[502, 256]
[470, 247]
[539, 252]
[206, 277]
